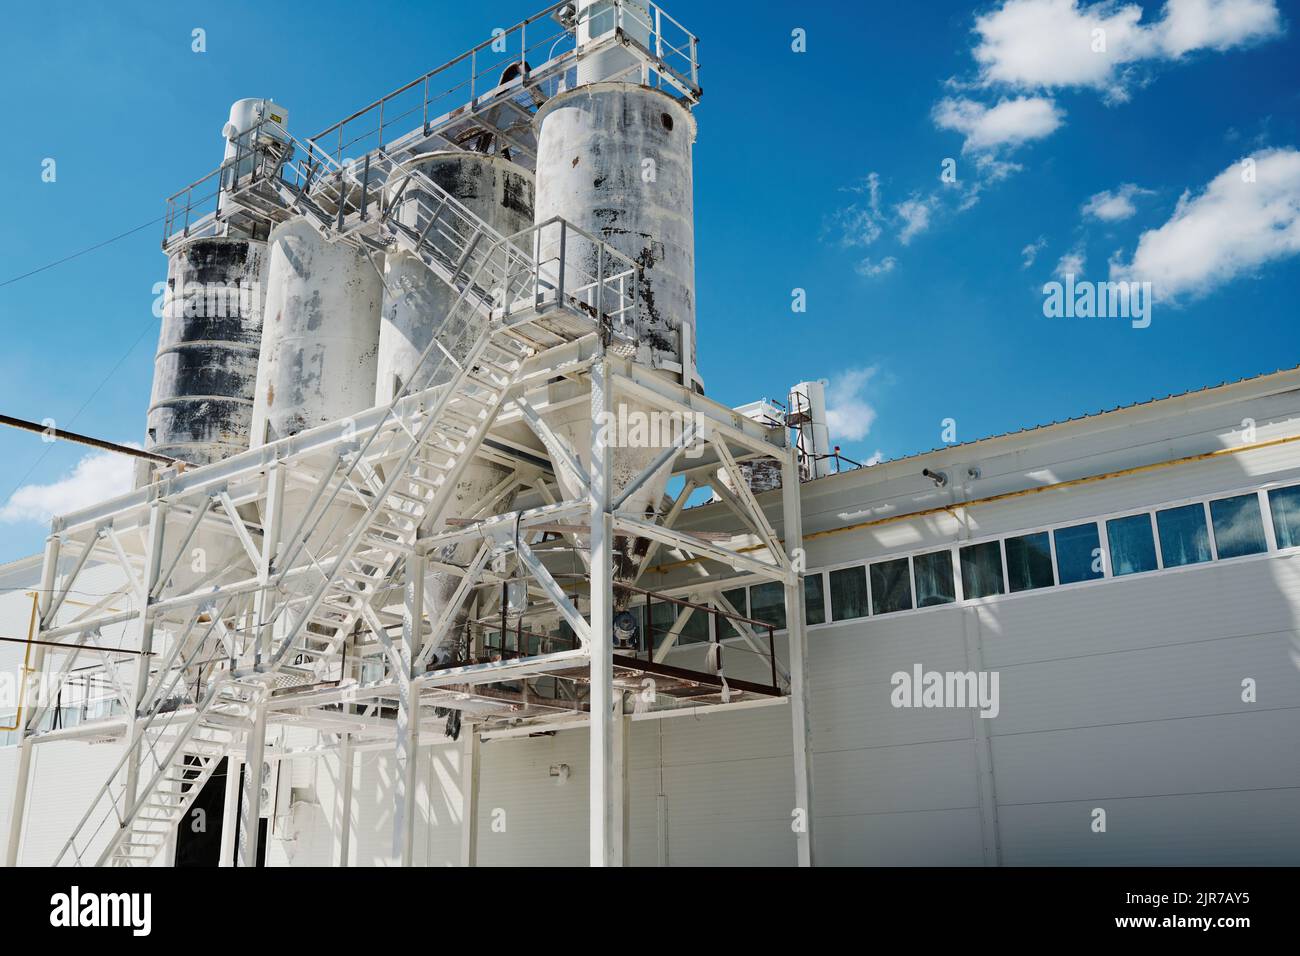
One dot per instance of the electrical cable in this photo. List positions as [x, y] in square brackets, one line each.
[69, 258]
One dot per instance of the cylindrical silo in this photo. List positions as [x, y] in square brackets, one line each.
[206, 368]
[320, 337]
[417, 305]
[615, 160]
[417, 302]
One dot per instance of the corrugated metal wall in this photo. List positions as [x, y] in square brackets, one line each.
[1123, 695]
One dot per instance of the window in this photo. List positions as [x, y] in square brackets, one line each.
[849, 593]
[1078, 553]
[1183, 535]
[891, 587]
[981, 569]
[664, 615]
[1285, 505]
[1132, 545]
[767, 603]
[737, 598]
[933, 579]
[1238, 528]
[1029, 562]
[814, 603]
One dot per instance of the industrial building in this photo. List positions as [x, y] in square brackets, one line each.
[416, 571]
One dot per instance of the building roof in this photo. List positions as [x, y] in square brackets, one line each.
[1084, 417]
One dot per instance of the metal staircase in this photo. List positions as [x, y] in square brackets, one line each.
[472, 363]
[177, 752]
[515, 298]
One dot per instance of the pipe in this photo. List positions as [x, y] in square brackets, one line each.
[84, 440]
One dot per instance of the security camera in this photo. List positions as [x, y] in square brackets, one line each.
[938, 477]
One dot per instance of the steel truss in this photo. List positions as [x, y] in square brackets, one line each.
[289, 585]
[216, 664]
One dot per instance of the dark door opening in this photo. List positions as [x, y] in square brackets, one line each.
[198, 835]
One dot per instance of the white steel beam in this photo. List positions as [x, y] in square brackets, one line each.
[230, 811]
[802, 816]
[408, 715]
[347, 759]
[470, 764]
[670, 518]
[754, 513]
[22, 781]
[250, 804]
[699, 547]
[603, 840]
[560, 455]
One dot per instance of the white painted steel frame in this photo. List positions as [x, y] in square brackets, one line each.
[136, 525]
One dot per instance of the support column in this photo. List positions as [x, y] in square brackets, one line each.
[622, 724]
[408, 715]
[346, 761]
[230, 812]
[251, 803]
[792, 520]
[603, 837]
[22, 783]
[140, 691]
[470, 763]
[264, 601]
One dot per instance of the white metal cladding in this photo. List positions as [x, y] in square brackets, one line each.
[1123, 695]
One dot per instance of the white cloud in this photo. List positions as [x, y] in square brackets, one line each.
[876, 458]
[1231, 227]
[860, 222]
[1071, 263]
[848, 414]
[915, 214]
[1114, 206]
[95, 478]
[1031, 251]
[1047, 44]
[1010, 123]
[872, 269]
[1216, 24]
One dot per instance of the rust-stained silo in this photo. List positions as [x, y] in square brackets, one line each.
[614, 159]
[204, 373]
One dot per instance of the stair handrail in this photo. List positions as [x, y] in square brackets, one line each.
[199, 710]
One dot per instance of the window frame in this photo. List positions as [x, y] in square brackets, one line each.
[954, 547]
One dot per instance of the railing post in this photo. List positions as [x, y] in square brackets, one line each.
[537, 268]
[600, 281]
[659, 39]
[365, 175]
[564, 235]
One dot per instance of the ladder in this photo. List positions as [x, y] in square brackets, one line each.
[179, 753]
[511, 304]
[474, 366]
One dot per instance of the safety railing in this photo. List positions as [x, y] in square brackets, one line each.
[196, 211]
[538, 54]
[516, 282]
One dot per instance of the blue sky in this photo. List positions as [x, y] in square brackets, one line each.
[818, 170]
